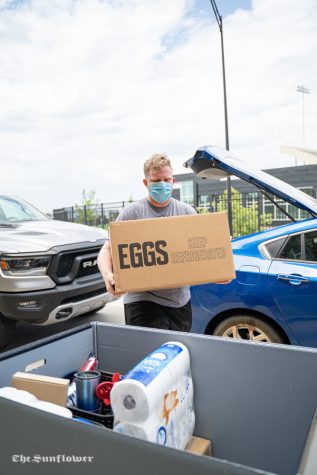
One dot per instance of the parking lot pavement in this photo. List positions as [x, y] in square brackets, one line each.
[26, 333]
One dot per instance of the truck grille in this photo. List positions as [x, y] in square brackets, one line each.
[70, 265]
[83, 271]
[65, 265]
[84, 296]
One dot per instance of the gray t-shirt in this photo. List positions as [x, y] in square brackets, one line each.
[143, 209]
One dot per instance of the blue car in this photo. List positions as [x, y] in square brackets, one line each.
[274, 296]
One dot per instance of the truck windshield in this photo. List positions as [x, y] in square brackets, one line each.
[14, 210]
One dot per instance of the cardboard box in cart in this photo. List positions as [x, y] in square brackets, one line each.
[44, 388]
[171, 252]
[255, 402]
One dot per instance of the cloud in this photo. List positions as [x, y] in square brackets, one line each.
[90, 88]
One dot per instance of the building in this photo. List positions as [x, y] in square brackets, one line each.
[204, 193]
[252, 211]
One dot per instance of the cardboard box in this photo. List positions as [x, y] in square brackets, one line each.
[164, 253]
[199, 446]
[45, 388]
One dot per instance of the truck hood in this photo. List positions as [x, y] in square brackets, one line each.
[41, 236]
[214, 162]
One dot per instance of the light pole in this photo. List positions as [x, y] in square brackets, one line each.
[219, 21]
[303, 90]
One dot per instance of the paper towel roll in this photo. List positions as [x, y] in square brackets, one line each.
[135, 397]
[169, 424]
[53, 408]
[25, 397]
[177, 434]
[17, 395]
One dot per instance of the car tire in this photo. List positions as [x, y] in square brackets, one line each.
[244, 327]
[7, 330]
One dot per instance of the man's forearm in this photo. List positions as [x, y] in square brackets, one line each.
[105, 260]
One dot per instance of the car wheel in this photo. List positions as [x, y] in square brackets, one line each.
[7, 330]
[243, 327]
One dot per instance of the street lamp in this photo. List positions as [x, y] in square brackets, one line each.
[303, 90]
[219, 21]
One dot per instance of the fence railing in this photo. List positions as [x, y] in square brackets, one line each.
[251, 212]
[100, 214]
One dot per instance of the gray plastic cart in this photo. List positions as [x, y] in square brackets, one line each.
[255, 402]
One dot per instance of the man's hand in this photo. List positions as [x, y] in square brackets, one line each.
[224, 282]
[110, 285]
[105, 267]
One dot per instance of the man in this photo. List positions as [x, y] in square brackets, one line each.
[170, 308]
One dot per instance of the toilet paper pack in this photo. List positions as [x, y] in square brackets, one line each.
[155, 399]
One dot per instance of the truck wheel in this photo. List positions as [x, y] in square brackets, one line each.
[7, 330]
[243, 327]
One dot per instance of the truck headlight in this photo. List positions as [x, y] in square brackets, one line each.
[24, 265]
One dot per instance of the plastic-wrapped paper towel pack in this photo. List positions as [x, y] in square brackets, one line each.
[154, 401]
[25, 397]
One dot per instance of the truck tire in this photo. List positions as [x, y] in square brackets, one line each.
[7, 330]
[244, 327]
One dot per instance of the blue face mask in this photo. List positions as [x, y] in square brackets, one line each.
[161, 191]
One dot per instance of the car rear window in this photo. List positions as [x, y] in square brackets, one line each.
[292, 249]
[311, 246]
[273, 248]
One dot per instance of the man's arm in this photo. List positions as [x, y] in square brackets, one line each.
[105, 267]
[105, 258]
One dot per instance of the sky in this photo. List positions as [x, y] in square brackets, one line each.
[89, 89]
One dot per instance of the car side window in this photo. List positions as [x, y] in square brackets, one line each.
[274, 247]
[292, 249]
[310, 247]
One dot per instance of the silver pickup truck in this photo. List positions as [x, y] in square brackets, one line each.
[48, 268]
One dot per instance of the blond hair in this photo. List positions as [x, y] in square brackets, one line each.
[156, 161]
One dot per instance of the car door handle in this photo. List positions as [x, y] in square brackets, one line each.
[293, 278]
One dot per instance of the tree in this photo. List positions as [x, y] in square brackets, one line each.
[245, 219]
[87, 213]
[202, 210]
